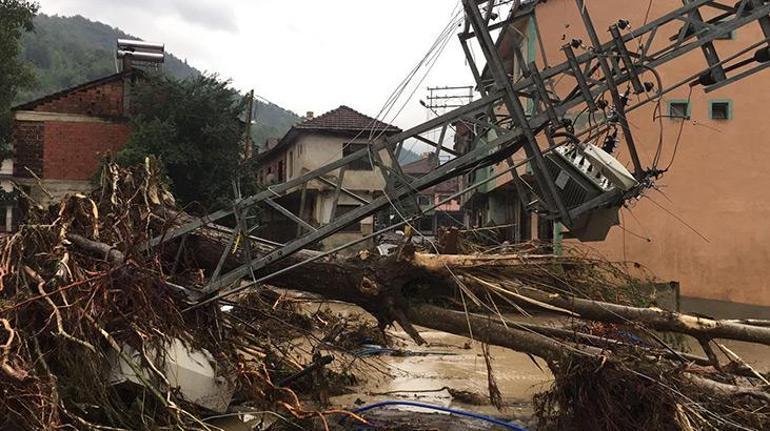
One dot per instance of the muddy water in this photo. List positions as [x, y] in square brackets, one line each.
[456, 362]
[450, 361]
[462, 367]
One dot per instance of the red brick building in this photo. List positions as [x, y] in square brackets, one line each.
[62, 137]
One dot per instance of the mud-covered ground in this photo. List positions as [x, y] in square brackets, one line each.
[456, 362]
[426, 374]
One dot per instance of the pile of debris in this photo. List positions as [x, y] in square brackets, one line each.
[93, 336]
[100, 331]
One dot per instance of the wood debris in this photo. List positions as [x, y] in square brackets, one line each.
[78, 285]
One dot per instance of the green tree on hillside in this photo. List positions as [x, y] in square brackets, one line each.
[15, 74]
[68, 51]
[194, 127]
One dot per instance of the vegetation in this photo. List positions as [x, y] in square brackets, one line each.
[67, 51]
[15, 75]
[193, 126]
[270, 121]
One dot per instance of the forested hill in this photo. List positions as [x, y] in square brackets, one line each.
[67, 51]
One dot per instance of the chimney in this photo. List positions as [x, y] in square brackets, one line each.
[309, 115]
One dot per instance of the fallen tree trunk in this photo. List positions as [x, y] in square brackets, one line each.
[98, 248]
[490, 331]
[662, 320]
[605, 380]
[376, 285]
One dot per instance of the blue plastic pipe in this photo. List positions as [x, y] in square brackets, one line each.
[507, 425]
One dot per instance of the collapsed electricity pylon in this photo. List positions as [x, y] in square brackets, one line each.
[574, 183]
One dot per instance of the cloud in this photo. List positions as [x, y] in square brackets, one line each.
[213, 15]
[209, 14]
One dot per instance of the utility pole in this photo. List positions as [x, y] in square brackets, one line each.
[248, 146]
[442, 98]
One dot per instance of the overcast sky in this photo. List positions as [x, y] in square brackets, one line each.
[304, 55]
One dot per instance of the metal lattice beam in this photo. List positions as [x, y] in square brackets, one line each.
[601, 69]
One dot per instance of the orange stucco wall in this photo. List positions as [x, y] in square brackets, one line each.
[719, 183]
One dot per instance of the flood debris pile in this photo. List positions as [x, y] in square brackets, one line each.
[98, 331]
[633, 391]
[95, 336]
[618, 360]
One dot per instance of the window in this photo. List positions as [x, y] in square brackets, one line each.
[344, 209]
[362, 164]
[679, 109]
[720, 110]
[280, 171]
[424, 200]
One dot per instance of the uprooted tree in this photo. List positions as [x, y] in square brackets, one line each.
[79, 285]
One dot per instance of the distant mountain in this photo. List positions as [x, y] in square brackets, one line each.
[270, 121]
[67, 51]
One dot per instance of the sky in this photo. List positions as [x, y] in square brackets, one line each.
[304, 55]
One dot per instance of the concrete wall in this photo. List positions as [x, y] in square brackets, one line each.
[312, 151]
[322, 212]
[47, 191]
[719, 182]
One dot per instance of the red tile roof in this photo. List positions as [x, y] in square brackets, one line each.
[343, 120]
[346, 119]
[421, 167]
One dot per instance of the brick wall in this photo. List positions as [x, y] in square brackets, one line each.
[73, 151]
[104, 100]
[28, 137]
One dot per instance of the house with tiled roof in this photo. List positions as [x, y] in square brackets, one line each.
[311, 144]
[444, 215]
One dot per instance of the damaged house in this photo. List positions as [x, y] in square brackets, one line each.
[445, 215]
[312, 143]
[708, 137]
